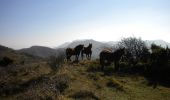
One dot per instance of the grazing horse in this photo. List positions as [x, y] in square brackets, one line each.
[107, 57]
[74, 51]
[87, 51]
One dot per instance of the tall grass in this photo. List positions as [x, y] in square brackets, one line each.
[56, 60]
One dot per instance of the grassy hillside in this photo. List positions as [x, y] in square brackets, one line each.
[82, 81]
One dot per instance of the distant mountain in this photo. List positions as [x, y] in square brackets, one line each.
[158, 42]
[97, 47]
[63, 45]
[5, 51]
[39, 51]
[148, 43]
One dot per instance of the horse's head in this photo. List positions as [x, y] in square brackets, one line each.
[119, 52]
[90, 45]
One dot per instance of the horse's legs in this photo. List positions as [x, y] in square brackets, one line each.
[102, 64]
[90, 56]
[75, 57]
[78, 57]
[68, 58]
[87, 56]
[116, 65]
[82, 55]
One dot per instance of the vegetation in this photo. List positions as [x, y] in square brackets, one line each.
[136, 50]
[6, 61]
[25, 77]
[56, 61]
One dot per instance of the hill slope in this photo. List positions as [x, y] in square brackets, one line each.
[96, 46]
[45, 52]
[82, 81]
[39, 51]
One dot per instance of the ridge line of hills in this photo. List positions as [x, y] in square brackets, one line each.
[44, 52]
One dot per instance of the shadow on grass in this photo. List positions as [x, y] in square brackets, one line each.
[85, 95]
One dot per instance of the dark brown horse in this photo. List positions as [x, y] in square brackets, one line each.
[74, 51]
[107, 57]
[87, 51]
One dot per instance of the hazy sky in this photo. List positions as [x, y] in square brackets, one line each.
[24, 23]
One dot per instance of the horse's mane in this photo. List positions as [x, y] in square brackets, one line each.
[107, 50]
[120, 49]
[79, 46]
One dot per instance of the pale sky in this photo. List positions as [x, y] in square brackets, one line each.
[24, 23]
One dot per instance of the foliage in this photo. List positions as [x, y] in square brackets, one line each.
[56, 61]
[6, 61]
[159, 63]
[136, 49]
[62, 82]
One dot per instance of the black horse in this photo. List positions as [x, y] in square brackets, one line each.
[87, 51]
[107, 57]
[74, 51]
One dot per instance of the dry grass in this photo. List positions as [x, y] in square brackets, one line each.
[83, 80]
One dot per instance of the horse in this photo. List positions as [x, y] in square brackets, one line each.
[87, 51]
[107, 57]
[74, 51]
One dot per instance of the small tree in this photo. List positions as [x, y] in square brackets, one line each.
[136, 49]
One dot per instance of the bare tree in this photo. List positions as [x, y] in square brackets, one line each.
[136, 48]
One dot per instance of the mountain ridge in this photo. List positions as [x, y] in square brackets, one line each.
[97, 46]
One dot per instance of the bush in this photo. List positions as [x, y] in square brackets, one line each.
[159, 69]
[62, 82]
[6, 61]
[56, 61]
[136, 50]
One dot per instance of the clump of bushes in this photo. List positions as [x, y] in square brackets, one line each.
[159, 69]
[56, 61]
[62, 82]
[5, 61]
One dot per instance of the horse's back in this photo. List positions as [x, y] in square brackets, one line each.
[69, 51]
[105, 54]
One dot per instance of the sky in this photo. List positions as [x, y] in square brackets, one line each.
[24, 23]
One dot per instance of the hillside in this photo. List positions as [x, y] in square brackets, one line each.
[45, 52]
[39, 51]
[77, 81]
[96, 46]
